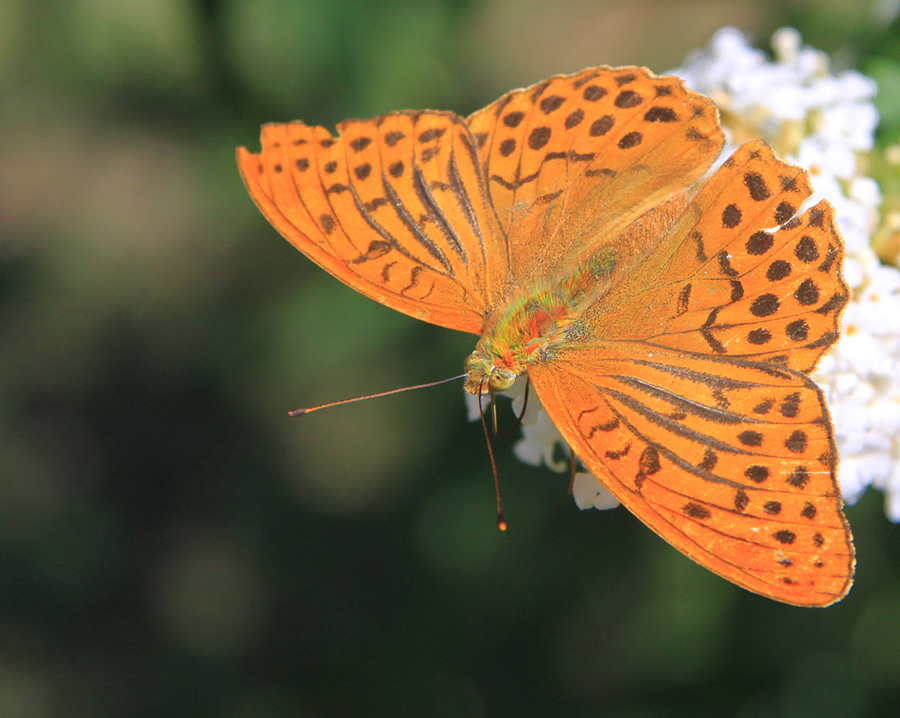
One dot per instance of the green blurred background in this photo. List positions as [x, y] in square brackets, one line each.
[171, 544]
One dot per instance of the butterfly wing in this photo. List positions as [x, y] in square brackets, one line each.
[578, 158]
[395, 207]
[726, 282]
[688, 395]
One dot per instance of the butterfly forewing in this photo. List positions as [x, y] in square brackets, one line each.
[393, 206]
[576, 159]
[746, 489]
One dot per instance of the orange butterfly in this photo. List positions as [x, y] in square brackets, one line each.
[667, 320]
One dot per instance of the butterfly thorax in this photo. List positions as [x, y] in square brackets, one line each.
[537, 323]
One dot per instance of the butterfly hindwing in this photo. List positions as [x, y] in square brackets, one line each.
[578, 158]
[740, 274]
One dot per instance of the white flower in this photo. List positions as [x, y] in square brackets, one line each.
[589, 493]
[812, 118]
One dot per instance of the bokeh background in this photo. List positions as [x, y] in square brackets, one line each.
[171, 544]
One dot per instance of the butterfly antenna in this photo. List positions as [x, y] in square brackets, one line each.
[520, 417]
[501, 521]
[310, 410]
[572, 465]
[494, 413]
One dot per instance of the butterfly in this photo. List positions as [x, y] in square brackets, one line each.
[667, 316]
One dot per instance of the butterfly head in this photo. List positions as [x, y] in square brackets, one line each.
[483, 376]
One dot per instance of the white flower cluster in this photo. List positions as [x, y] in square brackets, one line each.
[814, 119]
[822, 122]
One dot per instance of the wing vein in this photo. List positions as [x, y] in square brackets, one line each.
[434, 212]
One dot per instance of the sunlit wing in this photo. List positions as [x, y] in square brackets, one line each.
[733, 463]
[687, 393]
[740, 275]
[573, 161]
[394, 207]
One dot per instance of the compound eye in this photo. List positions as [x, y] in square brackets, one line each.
[501, 380]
